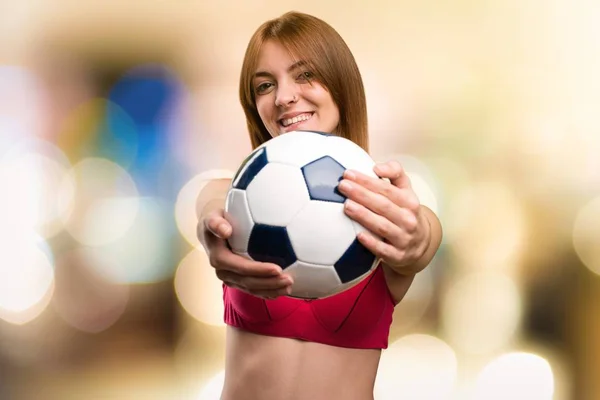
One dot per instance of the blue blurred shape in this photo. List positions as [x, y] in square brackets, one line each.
[149, 95]
[145, 93]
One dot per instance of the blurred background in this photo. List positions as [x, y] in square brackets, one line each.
[114, 115]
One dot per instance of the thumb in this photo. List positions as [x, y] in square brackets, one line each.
[216, 223]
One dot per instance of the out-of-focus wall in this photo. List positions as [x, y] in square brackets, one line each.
[113, 117]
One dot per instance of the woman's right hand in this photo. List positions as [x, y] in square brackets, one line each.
[260, 279]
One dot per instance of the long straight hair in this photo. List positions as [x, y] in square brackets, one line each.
[315, 42]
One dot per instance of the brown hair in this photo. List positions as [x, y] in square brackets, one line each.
[330, 60]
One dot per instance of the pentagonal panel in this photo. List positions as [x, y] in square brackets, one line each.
[271, 244]
[249, 168]
[296, 148]
[321, 232]
[356, 262]
[322, 177]
[238, 215]
[350, 155]
[276, 194]
[312, 281]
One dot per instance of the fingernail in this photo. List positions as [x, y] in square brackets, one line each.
[345, 185]
[350, 205]
[349, 174]
[223, 229]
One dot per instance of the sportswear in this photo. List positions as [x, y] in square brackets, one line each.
[359, 317]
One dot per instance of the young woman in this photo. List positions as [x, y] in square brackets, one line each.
[298, 74]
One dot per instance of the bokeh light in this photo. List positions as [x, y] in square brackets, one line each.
[26, 277]
[186, 214]
[417, 366]
[105, 201]
[481, 312]
[586, 235]
[142, 254]
[82, 131]
[519, 376]
[30, 172]
[452, 177]
[416, 302]
[198, 288]
[85, 299]
[213, 389]
[486, 226]
[22, 106]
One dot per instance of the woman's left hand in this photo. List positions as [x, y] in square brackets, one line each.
[390, 210]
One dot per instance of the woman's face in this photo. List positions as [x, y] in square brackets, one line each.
[287, 98]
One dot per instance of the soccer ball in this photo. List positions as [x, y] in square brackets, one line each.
[284, 208]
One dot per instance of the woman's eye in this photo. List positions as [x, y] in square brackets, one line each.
[263, 87]
[306, 75]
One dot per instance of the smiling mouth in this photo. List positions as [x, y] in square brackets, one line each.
[296, 120]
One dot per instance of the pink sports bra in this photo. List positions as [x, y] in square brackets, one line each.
[359, 317]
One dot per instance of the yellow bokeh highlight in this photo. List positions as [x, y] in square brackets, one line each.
[198, 289]
[417, 366]
[586, 235]
[186, 215]
[486, 226]
[518, 376]
[481, 312]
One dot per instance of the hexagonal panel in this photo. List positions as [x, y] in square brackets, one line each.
[321, 232]
[238, 215]
[312, 281]
[277, 194]
[249, 168]
[296, 148]
[271, 244]
[350, 155]
[356, 262]
[322, 177]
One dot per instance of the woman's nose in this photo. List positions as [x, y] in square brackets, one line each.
[286, 95]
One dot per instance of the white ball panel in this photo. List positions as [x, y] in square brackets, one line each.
[276, 194]
[359, 228]
[238, 215]
[350, 155]
[296, 148]
[313, 281]
[321, 232]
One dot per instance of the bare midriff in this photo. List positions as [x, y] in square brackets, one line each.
[272, 368]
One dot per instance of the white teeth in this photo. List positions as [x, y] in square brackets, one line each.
[298, 118]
